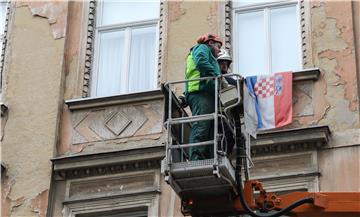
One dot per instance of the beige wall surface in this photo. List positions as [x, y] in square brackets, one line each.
[186, 22]
[334, 53]
[33, 96]
[337, 93]
[340, 169]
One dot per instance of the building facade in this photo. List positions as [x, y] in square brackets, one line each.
[82, 111]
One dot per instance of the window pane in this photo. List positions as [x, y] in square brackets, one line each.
[238, 3]
[110, 72]
[285, 39]
[142, 75]
[123, 11]
[2, 16]
[250, 36]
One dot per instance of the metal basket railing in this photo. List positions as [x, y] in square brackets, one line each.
[215, 117]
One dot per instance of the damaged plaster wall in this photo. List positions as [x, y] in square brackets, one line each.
[335, 99]
[334, 54]
[33, 95]
[187, 21]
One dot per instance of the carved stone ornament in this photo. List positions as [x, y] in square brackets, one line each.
[99, 164]
[290, 140]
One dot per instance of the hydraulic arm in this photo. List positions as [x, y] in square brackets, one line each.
[298, 204]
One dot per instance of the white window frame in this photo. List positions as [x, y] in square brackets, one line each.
[127, 27]
[254, 7]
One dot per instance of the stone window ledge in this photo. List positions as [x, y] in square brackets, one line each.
[290, 140]
[306, 75]
[92, 102]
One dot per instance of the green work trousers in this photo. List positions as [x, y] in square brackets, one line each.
[201, 103]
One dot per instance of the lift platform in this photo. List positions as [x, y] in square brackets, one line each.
[212, 178]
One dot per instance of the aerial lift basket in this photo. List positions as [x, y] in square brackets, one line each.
[208, 178]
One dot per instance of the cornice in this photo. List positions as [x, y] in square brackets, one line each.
[92, 102]
[311, 74]
[290, 140]
[76, 166]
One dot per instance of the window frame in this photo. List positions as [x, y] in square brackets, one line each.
[126, 27]
[265, 7]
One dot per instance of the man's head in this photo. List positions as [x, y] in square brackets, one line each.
[224, 60]
[213, 41]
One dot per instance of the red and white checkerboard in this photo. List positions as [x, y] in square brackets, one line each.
[265, 87]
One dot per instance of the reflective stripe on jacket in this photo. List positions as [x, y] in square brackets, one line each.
[201, 63]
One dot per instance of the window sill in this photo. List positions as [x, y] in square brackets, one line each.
[92, 102]
[306, 75]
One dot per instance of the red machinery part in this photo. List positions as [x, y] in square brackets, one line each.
[326, 204]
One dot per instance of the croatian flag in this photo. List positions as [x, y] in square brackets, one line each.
[268, 102]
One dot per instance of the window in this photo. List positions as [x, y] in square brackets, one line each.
[3, 14]
[134, 212]
[266, 36]
[125, 47]
[3, 10]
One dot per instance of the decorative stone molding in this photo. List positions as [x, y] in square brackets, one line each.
[4, 43]
[228, 21]
[129, 117]
[100, 164]
[89, 47]
[290, 140]
[305, 25]
[162, 41]
[111, 185]
[95, 102]
[146, 202]
[121, 182]
[287, 172]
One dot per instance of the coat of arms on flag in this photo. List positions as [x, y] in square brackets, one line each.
[268, 102]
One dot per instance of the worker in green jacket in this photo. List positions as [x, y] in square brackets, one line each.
[200, 95]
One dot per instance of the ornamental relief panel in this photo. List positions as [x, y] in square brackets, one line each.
[128, 183]
[116, 122]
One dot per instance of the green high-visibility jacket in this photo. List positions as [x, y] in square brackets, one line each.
[201, 63]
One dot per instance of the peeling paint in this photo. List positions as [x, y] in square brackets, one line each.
[7, 203]
[5, 200]
[346, 59]
[54, 11]
[175, 10]
[39, 203]
[332, 46]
